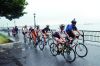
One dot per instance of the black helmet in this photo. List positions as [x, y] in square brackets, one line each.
[47, 26]
[37, 26]
[25, 26]
[62, 26]
[73, 21]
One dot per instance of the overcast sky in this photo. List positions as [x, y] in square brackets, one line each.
[57, 12]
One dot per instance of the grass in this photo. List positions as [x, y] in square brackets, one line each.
[4, 39]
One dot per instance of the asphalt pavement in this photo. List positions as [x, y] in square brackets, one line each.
[26, 55]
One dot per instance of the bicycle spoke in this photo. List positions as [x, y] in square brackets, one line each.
[53, 49]
[70, 55]
[81, 50]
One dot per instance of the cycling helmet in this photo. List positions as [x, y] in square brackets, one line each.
[73, 21]
[37, 26]
[25, 26]
[62, 26]
[47, 26]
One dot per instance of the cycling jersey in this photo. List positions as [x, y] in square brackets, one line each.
[34, 35]
[69, 29]
[25, 30]
[62, 33]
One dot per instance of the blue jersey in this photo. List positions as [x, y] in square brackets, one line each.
[71, 27]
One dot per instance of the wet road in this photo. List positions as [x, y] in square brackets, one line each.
[30, 56]
[35, 57]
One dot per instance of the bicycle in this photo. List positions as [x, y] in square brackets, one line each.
[80, 48]
[42, 43]
[66, 51]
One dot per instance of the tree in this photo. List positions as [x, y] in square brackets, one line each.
[12, 9]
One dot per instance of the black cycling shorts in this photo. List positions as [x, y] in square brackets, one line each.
[56, 35]
[70, 34]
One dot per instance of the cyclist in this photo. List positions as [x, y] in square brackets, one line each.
[71, 28]
[13, 32]
[30, 28]
[25, 31]
[34, 35]
[38, 32]
[30, 36]
[16, 29]
[45, 32]
[62, 31]
[59, 37]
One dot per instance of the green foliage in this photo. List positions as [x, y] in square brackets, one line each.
[12, 9]
[4, 39]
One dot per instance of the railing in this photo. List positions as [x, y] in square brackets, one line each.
[92, 36]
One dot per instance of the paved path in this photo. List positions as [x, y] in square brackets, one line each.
[31, 56]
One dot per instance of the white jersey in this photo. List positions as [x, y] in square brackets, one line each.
[61, 33]
[25, 30]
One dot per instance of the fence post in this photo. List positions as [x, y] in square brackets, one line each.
[83, 36]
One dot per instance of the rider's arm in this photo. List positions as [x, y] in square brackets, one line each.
[79, 32]
[67, 35]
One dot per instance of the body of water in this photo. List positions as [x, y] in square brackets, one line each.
[80, 27]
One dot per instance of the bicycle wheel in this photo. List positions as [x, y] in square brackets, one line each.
[41, 45]
[69, 54]
[81, 50]
[50, 41]
[53, 49]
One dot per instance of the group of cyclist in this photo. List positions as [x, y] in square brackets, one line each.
[67, 31]
[31, 33]
[59, 35]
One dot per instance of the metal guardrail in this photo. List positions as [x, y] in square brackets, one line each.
[92, 36]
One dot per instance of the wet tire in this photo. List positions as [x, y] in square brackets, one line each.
[81, 50]
[41, 45]
[50, 41]
[69, 55]
[53, 49]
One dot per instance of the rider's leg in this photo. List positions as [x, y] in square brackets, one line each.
[59, 43]
[44, 36]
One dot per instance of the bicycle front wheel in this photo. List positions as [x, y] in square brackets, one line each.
[41, 45]
[53, 49]
[69, 54]
[81, 50]
[50, 41]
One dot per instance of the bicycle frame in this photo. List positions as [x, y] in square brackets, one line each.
[74, 43]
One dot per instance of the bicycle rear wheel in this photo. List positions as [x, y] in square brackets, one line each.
[53, 49]
[81, 50]
[69, 54]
